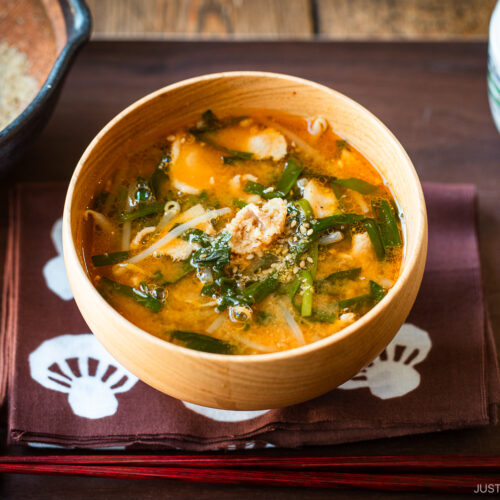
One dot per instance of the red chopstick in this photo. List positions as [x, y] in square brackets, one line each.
[389, 482]
[430, 463]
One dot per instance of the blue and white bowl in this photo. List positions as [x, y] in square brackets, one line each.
[494, 66]
[18, 135]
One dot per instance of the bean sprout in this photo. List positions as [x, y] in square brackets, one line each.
[140, 235]
[171, 209]
[316, 126]
[218, 322]
[100, 220]
[212, 214]
[328, 239]
[294, 327]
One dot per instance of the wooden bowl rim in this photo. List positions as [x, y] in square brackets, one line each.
[78, 24]
[411, 260]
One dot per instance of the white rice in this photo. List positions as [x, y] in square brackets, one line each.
[17, 88]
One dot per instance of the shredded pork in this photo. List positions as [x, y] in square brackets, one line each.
[255, 227]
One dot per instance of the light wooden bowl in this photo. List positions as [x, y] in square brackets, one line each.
[258, 381]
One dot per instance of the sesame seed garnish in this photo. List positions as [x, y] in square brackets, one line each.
[302, 264]
[309, 232]
[310, 259]
[250, 256]
[302, 229]
[294, 223]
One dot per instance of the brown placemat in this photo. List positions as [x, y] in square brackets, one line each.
[440, 371]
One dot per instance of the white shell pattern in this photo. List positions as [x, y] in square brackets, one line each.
[249, 445]
[92, 387]
[224, 415]
[393, 373]
[54, 271]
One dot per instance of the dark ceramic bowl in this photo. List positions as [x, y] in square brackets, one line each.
[50, 33]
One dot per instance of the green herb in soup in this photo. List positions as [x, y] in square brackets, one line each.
[245, 234]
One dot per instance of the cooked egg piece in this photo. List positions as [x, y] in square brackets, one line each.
[267, 144]
[264, 144]
[321, 198]
[193, 166]
[237, 185]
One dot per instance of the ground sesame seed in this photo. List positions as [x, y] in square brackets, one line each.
[309, 232]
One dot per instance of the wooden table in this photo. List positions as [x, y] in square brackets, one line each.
[296, 19]
[432, 96]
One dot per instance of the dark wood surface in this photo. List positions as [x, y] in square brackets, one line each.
[432, 96]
